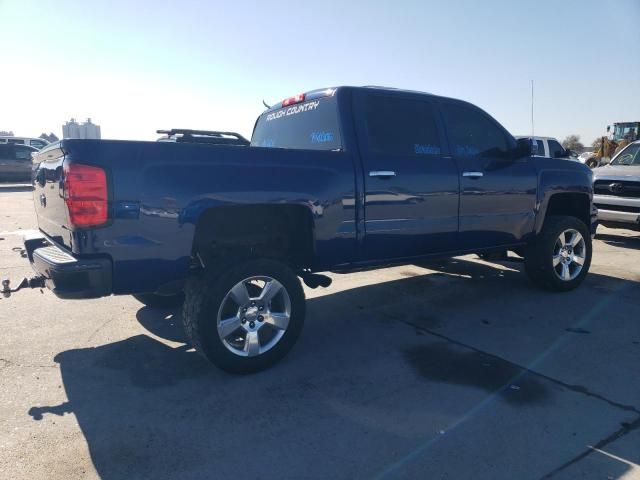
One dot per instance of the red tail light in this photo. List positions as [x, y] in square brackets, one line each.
[293, 100]
[85, 193]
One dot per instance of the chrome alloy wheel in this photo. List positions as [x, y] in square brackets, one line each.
[569, 255]
[254, 316]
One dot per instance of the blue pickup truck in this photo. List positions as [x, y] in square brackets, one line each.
[337, 179]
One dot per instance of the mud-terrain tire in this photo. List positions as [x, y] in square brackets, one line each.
[226, 309]
[552, 260]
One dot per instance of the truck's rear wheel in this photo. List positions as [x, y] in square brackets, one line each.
[160, 301]
[559, 258]
[246, 318]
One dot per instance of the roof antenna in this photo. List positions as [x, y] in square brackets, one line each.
[265, 104]
[532, 109]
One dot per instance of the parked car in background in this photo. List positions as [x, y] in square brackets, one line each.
[585, 156]
[38, 143]
[617, 189]
[16, 164]
[549, 147]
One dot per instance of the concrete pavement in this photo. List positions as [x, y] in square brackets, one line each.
[457, 369]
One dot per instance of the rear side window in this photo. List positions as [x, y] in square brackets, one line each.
[310, 125]
[22, 152]
[16, 141]
[472, 133]
[401, 126]
[555, 149]
[4, 150]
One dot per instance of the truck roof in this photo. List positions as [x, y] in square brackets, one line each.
[326, 92]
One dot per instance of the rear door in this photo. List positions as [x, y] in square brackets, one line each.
[24, 161]
[7, 159]
[15, 162]
[497, 191]
[411, 185]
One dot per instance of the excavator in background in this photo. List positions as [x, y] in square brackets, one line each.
[616, 139]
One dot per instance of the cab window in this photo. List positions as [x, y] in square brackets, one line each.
[401, 126]
[555, 149]
[472, 133]
[22, 152]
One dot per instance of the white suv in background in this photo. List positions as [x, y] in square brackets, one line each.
[38, 143]
[550, 147]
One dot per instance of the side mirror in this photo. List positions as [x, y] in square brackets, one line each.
[525, 147]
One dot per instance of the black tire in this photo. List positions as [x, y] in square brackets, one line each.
[160, 301]
[205, 294]
[539, 254]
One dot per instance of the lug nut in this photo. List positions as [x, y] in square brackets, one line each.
[252, 324]
[253, 304]
[260, 318]
[244, 310]
[244, 320]
[261, 308]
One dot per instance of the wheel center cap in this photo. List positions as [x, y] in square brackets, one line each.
[252, 311]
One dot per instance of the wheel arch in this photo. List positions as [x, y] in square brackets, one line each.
[575, 204]
[285, 232]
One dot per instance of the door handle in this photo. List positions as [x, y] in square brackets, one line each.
[472, 174]
[382, 173]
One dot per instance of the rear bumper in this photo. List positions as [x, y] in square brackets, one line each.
[65, 275]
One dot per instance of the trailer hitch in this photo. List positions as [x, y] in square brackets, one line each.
[33, 282]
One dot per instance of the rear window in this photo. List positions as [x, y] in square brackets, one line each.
[310, 125]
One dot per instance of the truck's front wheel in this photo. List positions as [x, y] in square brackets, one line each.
[559, 258]
[246, 318]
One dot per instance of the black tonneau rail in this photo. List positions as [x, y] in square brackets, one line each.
[183, 135]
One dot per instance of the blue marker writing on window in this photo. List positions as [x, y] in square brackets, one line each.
[426, 149]
[321, 137]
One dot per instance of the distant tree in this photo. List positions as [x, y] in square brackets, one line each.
[572, 142]
[6, 134]
[51, 138]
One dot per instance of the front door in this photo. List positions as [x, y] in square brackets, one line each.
[411, 186]
[497, 190]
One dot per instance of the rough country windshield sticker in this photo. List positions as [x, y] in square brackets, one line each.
[285, 112]
[312, 125]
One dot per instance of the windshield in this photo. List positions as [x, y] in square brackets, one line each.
[625, 131]
[628, 156]
[311, 125]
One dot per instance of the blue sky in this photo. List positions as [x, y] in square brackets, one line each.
[134, 67]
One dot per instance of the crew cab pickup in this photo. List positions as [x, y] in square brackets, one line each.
[338, 179]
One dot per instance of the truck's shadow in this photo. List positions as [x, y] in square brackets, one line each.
[153, 410]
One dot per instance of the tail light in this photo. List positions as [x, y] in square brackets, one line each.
[85, 194]
[293, 100]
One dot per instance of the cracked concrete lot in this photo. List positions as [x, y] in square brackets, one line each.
[452, 370]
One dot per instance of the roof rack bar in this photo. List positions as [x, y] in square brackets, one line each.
[207, 133]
